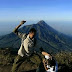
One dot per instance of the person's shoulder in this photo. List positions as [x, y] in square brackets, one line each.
[24, 35]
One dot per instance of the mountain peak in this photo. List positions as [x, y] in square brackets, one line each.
[41, 22]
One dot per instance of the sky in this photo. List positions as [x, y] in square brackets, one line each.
[12, 11]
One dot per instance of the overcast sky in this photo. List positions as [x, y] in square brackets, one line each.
[52, 11]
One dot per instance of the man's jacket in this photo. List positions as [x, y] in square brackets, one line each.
[28, 46]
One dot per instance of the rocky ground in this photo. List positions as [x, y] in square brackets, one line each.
[7, 57]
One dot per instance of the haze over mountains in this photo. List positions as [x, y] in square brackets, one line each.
[61, 26]
[52, 40]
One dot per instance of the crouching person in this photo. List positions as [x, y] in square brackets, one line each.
[48, 65]
[27, 48]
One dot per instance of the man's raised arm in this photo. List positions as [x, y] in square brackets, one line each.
[21, 23]
[16, 29]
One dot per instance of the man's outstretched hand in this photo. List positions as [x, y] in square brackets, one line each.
[22, 22]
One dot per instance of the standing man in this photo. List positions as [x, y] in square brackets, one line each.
[27, 46]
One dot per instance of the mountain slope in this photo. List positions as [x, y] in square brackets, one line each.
[52, 40]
